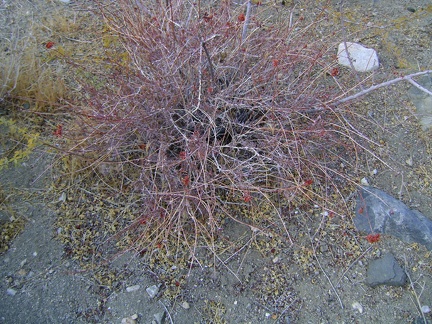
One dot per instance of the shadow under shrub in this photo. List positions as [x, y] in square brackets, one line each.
[201, 125]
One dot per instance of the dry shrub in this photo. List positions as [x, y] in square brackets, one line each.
[201, 125]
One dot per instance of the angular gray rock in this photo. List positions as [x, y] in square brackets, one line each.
[385, 271]
[378, 212]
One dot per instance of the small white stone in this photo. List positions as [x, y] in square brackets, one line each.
[409, 161]
[128, 320]
[132, 288]
[11, 292]
[185, 305]
[152, 291]
[275, 259]
[358, 307]
[364, 182]
[35, 254]
[425, 309]
[363, 59]
[62, 197]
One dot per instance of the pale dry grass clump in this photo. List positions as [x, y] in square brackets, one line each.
[215, 112]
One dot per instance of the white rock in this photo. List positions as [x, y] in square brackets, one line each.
[11, 292]
[62, 197]
[425, 309]
[132, 288]
[152, 291]
[363, 59]
[364, 182]
[128, 320]
[185, 305]
[357, 306]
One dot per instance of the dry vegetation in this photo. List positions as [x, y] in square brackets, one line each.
[211, 116]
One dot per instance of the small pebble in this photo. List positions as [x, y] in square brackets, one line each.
[152, 291]
[11, 292]
[425, 309]
[129, 320]
[357, 306]
[185, 305]
[409, 161]
[364, 182]
[133, 288]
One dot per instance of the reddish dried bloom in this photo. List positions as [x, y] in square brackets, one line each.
[334, 72]
[59, 131]
[182, 155]
[186, 181]
[308, 182]
[49, 45]
[275, 63]
[241, 17]
[373, 238]
[247, 197]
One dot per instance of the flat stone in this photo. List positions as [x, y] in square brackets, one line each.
[378, 212]
[152, 291]
[385, 271]
[132, 288]
[362, 58]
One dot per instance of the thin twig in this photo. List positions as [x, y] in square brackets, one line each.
[209, 61]
[325, 274]
[247, 19]
[416, 296]
[386, 84]
[166, 310]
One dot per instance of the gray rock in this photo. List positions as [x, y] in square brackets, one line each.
[385, 271]
[378, 212]
[160, 318]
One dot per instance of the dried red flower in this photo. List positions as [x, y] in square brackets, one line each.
[334, 72]
[186, 181]
[373, 238]
[247, 197]
[49, 45]
[308, 182]
[182, 155]
[275, 63]
[241, 17]
[59, 131]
